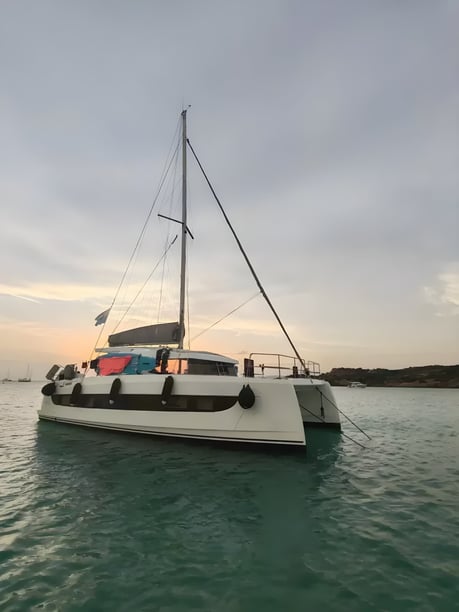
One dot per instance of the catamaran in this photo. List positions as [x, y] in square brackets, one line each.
[146, 382]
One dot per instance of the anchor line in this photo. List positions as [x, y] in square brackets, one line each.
[341, 412]
[352, 440]
[324, 421]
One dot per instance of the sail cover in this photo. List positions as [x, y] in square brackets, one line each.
[162, 333]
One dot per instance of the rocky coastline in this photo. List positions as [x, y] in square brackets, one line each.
[431, 376]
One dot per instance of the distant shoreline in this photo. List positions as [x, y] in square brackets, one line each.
[420, 377]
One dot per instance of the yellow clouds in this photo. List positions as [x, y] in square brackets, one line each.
[60, 292]
[445, 293]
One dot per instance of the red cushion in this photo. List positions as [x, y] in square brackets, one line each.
[113, 365]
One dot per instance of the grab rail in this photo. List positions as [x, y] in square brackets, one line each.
[297, 368]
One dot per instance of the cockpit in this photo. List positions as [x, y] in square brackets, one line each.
[163, 361]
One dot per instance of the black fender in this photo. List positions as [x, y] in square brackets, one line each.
[246, 397]
[114, 391]
[75, 395]
[49, 389]
[167, 390]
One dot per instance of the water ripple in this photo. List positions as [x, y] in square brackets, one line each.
[92, 520]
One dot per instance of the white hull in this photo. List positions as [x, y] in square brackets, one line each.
[195, 394]
[275, 417]
[317, 403]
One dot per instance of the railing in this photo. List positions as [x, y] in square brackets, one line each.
[296, 368]
[314, 368]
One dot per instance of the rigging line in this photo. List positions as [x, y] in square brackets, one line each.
[257, 280]
[341, 412]
[164, 174]
[187, 274]
[174, 174]
[88, 361]
[324, 421]
[142, 233]
[161, 291]
[262, 291]
[227, 315]
[143, 286]
[188, 307]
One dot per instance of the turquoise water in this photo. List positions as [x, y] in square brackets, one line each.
[93, 520]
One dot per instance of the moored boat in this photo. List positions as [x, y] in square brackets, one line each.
[27, 377]
[146, 382]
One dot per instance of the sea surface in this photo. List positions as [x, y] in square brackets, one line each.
[95, 520]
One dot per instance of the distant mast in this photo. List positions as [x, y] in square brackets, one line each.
[184, 231]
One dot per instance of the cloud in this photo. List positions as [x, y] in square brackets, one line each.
[328, 130]
[59, 292]
[444, 294]
[22, 297]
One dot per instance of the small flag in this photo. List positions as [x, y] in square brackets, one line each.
[102, 317]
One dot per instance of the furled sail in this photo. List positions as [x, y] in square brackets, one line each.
[162, 333]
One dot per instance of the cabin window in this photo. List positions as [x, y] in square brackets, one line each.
[216, 368]
[177, 366]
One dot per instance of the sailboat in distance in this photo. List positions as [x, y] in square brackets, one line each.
[28, 376]
[147, 382]
[7, 378]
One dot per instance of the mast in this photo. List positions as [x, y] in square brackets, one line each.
[184, 230]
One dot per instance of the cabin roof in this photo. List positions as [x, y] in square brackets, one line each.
[175, 353]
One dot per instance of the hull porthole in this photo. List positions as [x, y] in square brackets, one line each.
[49, 389]
[114, 391]
[167, 390]
[246, 397]
[76, 392]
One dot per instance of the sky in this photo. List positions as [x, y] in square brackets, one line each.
[329, 129]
